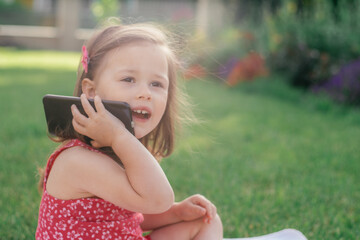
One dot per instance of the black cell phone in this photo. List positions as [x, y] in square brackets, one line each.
[59, 117]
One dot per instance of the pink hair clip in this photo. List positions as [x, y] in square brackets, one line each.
[85, 59]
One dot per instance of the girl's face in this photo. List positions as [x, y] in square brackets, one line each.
[137, 74]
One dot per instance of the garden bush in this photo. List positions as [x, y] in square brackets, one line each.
[16, 13]
[302, 65]
[309, 45]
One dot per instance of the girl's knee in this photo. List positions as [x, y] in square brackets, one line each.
[214, 228]
[217, 223]
[218, 219]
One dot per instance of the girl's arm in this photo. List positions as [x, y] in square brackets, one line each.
[154, 221]
[141, 186]
[192, 208]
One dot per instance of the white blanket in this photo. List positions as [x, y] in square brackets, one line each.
[286, 234]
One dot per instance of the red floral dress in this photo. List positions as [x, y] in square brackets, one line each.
[85, 218]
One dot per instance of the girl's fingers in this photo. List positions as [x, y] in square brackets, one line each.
[209, 207]
[202, 201]
[199, 210]
[79, 128]
[209, 213]
[99, 105]
[89, 110]
[78, 117]
[212, 212]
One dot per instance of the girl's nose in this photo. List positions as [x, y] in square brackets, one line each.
[144, 93]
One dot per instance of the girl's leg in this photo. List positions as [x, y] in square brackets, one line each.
[193, 230]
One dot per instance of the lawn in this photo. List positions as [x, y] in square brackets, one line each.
[268, 156]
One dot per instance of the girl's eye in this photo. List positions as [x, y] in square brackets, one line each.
[156, 84]
[128, 79]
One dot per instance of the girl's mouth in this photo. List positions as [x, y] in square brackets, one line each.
[141, 114]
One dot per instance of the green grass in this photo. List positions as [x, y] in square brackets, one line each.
[268, 156]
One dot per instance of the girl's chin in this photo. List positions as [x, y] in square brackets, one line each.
[140, 134]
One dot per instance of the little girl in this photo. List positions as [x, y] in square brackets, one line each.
[105, 183]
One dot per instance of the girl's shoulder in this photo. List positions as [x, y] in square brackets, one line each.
[75, 152]
[76, 149]
[70, 170]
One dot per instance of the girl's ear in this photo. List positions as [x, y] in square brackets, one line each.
[88, 87]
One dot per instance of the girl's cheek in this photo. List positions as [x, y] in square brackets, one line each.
[163, 95]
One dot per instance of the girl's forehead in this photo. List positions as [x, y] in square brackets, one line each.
[137, 53]
[143, 54]
[137, 46]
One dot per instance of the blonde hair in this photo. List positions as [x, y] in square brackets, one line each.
[161, 140]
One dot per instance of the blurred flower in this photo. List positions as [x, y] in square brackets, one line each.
[225, 69]
[345, 85]
[244, 69]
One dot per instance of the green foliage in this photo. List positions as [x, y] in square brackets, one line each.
[311, 45]
[309, 42]
[17, 13]
[270, 157]
[10, 5]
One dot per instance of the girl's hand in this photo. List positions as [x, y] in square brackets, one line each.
[195, 207]
[100, 125]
